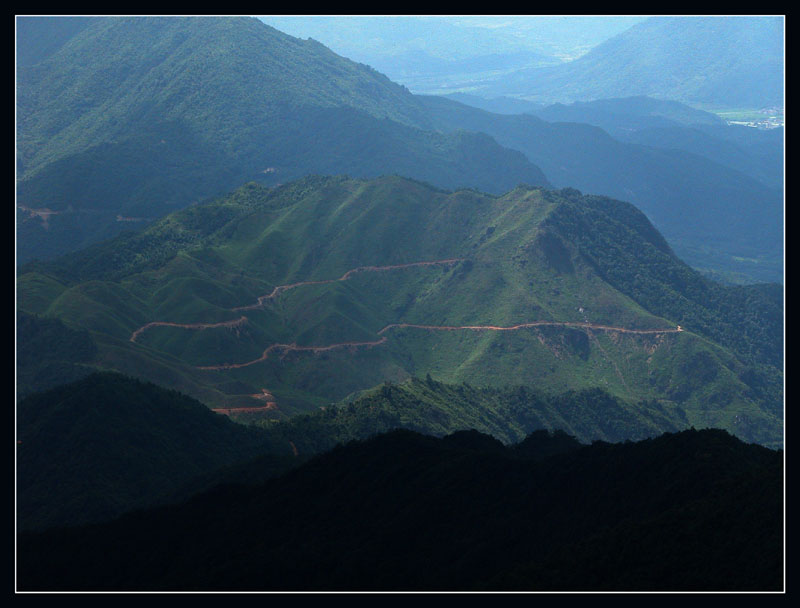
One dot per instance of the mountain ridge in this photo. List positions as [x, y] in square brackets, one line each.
[347, 283]
[109, 140]
[406, 511]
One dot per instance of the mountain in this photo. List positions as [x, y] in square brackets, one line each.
[131, 118]
[107, 444]
[757, 153]
[497, 105]
[716, 218]
[92, 449]
[404, 511]
[40, 37]
[727, 62]
[627, 113]
[49, 353]
[439, 54]
[289, 298]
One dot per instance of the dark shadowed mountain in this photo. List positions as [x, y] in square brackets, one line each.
[106, 444]
[406, 511]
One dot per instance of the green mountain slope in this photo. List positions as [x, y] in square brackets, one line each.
[327, 286]
[49, 353]
[405, 511]
[714, 217]
[132, 118]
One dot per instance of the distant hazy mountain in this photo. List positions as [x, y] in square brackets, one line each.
[724, 61]
[438, 54]
[40, 37]
[456, 37]
[498, 105]
[673, 125]
[714, 216]
[130, 118]
[628, 113]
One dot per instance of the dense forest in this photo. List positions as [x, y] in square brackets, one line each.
[403, 511]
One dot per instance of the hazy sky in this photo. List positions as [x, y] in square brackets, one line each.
[454, 37]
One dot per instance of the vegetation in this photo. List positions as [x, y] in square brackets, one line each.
[49, 353]
[406, 511]
[664, 124]
[108, 444]
[702, 60]
[507, 414]
[92, 449]
[127, 117]
[530, 255]
[712, 215]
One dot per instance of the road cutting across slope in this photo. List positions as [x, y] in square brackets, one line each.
[328, 347]
[280, 289]
[232, 323]
[294, 347]
[347, 275]
[528, 325]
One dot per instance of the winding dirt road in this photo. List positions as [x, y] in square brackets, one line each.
[318, 349]
[282, 288]
[527, 325]
[294, 347]
[368, 344]
[233, 323]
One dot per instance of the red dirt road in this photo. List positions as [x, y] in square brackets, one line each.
[317, 349]
[368, 344]
[527, 325]
[233, 323]
[294, 347]
[281, 288]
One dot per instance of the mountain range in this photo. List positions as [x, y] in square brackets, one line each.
[283, 325]
[463, 512]
[91, 450]
[326, 286]
[726, 62]
[114, 132]
[657, 123]
[714, 216]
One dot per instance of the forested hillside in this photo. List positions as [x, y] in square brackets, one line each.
[327, 286]
[405, 511]
[131, 118]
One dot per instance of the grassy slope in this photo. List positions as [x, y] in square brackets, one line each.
[523, 264]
